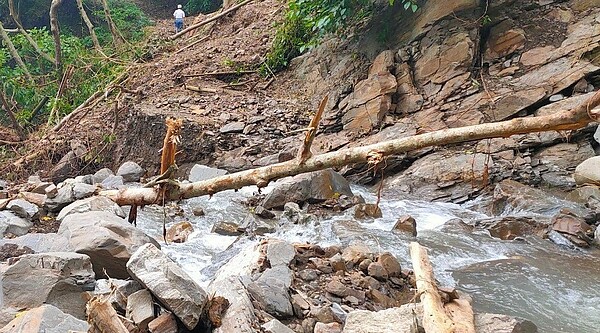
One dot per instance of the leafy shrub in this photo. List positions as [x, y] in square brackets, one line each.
[202, 6]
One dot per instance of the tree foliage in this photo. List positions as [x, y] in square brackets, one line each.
[307, 21]
[203, 6]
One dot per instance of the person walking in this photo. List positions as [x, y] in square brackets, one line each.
[179, 15]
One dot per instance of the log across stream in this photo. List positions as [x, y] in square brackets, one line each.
[556, 288]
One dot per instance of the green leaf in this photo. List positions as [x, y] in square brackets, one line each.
[414, 7]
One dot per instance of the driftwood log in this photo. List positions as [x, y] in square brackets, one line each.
[566, 120]
[456, 316]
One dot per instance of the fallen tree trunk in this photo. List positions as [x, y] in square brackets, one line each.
[455, 316]
[207, 21]
[565, 120]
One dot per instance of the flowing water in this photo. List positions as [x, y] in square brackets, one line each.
[555, 287]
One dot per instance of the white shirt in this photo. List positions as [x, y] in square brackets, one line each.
[179, 14]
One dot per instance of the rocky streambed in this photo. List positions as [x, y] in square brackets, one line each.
[310, 254]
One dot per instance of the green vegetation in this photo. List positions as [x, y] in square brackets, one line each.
[307, 21]
[91, 71]
[202, 6]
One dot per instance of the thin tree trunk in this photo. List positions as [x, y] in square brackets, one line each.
[14, 53]
[55, 29]
[565, 120]
[117, 38]
[36, 47]
[216, 17]
[89, 25]
[11, 115]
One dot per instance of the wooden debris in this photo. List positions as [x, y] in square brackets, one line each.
[103, 318]
[200, 89]
[216, 308]
[304, 153]
[455, 316]
[165, 323]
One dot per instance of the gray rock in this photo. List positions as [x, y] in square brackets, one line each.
[51, 191]
[279, 272]
[63, 197]
[257, 226]
[45, 319]
[107, 239]
[273, 295]
[495, 323]
[140, 308]
[40, 188]
[280, 253]
[39, 242]
[393, 320]
[175, 289]
[100, 204]
[113, 182]
[83, 190]
[556, 98]
[23, 208]
[233, 127]
[597, 134]
[275, 326]
[312, 187]
[10, 223]
[226, 228]
[239, 317]
[202, 172]
[264, 213]
[588, 172]
[101, 175]
[56, 278]
[130, 171]
[85, 179]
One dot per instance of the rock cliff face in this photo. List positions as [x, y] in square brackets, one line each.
[459, 63]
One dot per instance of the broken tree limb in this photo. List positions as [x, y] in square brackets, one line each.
[200, 89]
[435, 318]
[216, 17]
[103, 318]
[565, 120]
[11, 115]
[304, 152]
[13, 53]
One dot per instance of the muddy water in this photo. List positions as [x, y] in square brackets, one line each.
[556, 288]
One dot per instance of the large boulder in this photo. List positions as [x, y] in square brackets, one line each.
[175, 289]
[45, 319]
[497, 323]
[130, 171]
[63, 197]
[10, 223]
[100, 204]
[312, 187]
[37, 242]
[56, 278]
[588, 172]
[107, 239]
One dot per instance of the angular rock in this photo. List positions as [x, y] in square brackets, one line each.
[273, 295]
[393, 320]
[35, 198]
[39, 242]
[175, 289]
[240, 316]
[328, 328]
[588, 172]
[390, 263]
[93, 204]
[179, 232]
[312, 187]
[165, 323]
[23, 208]
[82, 190]
[226, 228]
[377, 271]
[338, 288]
[107, 239]
[275, 326]
[10, 223]
[63, 197]
[56, 278]
[280, 253]
[130, 171]
[140, 308]
[117, 291]
[503, 41]
[264, 213]
[233, 127]
[112, 182]
[280, 272]
[496, 323]
[101, 175]
[510, 227]
[407, 224]
[202, 172]
[45, 319]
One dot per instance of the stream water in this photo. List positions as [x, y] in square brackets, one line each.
[555, 287]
